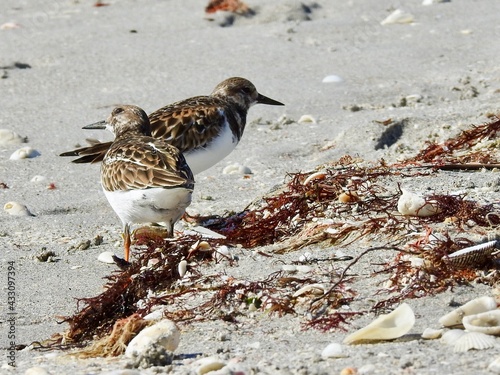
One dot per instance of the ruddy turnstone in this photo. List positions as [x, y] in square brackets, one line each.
[204, 128]
[145, 179]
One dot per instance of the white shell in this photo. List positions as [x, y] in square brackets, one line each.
[106, 257]
[16, 209]
[474, 340]
[476, 306]
[431, 333]
[333, 79]
[24, 153]
[450, 337]
[9, 137]
[333, 350]
[222, 253]
[236, 168]
[307, 119]
[411, 204]
[386, 327]
[487, 322]
[494, 366]
[313, 288]
[36, 371]
[182, 268]
[208, 364]
[290, 268]
[39, 178]
[398, 16]
[164, 333]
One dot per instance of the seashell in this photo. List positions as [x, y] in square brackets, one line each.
[315, 176]
[487, 322]
[39, 178]
[313, 288]
[236, 168]
[472, 256]
[348, 197]
[398, 16]
[221, 253]
[385, 327]
[474, 340]
[306, 119]
[9, 26]
[290, 268]
[164, 334]
[349, 371]
[157, 314]
[411, 204]
[17, 209]
[24, 153]
[494, 366]
[450, 337]
[106, 257]
[9, 137]
[182, 268]
[431, 333]
[332, 79]
[208, 364]
[303, 269]
[476, 306]
[333, 350]
[36, 371]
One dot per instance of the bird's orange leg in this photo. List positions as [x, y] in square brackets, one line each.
[126, 241]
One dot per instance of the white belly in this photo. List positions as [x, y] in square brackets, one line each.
[149, 205]
[201, 159]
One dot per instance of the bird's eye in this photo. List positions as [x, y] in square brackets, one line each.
[117, 110]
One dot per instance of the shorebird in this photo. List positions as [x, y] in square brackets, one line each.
[145, 179]
[204, 128]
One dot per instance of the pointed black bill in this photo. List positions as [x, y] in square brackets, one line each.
[265, 100]
[96, 125]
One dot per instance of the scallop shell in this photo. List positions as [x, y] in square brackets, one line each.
[450, 337]
[487, 322]
[473, 256]
[24, 153]
[474, 340]
[385, 327]
[9, 137]
[411, 204]
[476, 306]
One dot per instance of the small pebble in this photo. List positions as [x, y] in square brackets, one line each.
[24, 153]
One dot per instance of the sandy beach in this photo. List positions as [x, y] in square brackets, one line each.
[350, 85]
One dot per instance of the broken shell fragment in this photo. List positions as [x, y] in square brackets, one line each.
[398, 16]
[476, 306]
[313, 288]
[333, 350]
[106, 257]
[385, 327]
[431, 333]
[307, 119]
[474, 340]
[411, 204]
[17, 209]
[487, 322]
[182, 267]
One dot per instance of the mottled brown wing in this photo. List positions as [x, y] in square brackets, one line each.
[144, 163]
[190, 123]
[90, 154]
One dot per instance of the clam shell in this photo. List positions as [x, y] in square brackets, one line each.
[312, 288]
[472, 256]
[106, 257]
[16, 209]
[411, 204]
[476, 306]
[487, 322]
[474, 340]
[385, 327]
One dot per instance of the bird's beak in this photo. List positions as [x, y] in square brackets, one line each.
[265, 100]
[97, 125]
